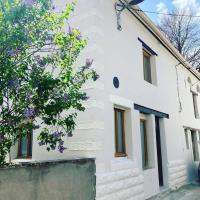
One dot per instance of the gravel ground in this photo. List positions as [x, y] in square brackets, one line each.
[190, 192]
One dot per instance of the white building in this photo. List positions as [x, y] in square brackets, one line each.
[142, 123]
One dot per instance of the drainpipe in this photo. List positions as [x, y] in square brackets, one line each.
[178, 89]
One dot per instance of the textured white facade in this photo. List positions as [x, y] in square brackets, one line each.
[119, 53]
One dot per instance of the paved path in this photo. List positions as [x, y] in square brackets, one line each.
[191, 192]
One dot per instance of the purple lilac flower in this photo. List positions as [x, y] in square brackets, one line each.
[84, 98]
[88, 62]
[79, 37]
[57, 134]
[85, 67]
[29, 112]
[13, 52]
[29, 2]
[66, 97]
[70, 31]
[61, 148]
[53, 7]
[41, 143]
[13, 83]
[28, 94]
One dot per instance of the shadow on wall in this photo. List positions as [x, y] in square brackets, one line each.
[62, 180]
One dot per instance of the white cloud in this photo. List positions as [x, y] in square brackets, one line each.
[190, 5]
[161, 8]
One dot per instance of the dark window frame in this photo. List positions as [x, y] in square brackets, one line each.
[29, 138]
[120, 154]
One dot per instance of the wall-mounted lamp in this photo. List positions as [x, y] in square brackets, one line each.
[120, 7]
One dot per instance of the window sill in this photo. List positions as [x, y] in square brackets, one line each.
[152, 83]
[120, 158]
[122, 155]
[148, 168]
[22, 160]
[123, 163]
[24, 157]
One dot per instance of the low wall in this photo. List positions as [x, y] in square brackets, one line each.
[62, 180]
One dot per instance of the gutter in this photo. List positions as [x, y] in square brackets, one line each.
[143, 19]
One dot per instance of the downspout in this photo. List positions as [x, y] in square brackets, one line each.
[178, 89]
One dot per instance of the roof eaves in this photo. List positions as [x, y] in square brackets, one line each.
[145, 20]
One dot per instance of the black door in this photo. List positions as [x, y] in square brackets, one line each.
[159, 152]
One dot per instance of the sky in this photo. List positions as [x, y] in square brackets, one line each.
[165, 6]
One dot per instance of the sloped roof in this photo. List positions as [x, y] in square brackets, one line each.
[146, 21]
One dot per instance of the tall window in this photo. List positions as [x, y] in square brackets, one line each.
[120, 149]
[144, 144]
[147, 66]
[195, 103]
[186, 139]
[25, 146]
[195, 146]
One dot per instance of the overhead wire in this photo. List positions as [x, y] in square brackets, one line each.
[169, 14]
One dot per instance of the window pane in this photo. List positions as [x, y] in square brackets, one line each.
[147, 68]
[144, 144]
[120, 133]
[24, 149]
[187, 139]
[196, 112]
[25, 146]
[195, 146]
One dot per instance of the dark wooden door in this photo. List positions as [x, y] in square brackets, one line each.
[159, 152]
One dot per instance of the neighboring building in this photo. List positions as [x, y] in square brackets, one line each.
[142, 122]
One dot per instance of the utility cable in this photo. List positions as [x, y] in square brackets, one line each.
[169, 14]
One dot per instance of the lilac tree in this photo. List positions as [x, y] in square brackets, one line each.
[40, 83]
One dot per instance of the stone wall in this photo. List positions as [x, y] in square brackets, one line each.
[62, 180]
[177, 174]
[123, 182]
[120, 185]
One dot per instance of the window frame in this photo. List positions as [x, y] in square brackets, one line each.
[147, 55]
[145, 165]
[195, 105]
[186, 139]
[29, 142]
[195, 149]
[120, 154]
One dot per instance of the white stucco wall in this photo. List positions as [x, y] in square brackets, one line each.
[119, 54]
